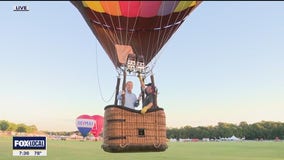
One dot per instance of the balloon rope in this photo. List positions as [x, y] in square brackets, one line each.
[133, 30]
[154, 61]
[116, 40]
[109, 35]
[126, 31]
[159, 32]
[155, 45]
[113, 26]
[98, 79]
[148, 46]
[103, 27]
[162, 35]
[166, 35]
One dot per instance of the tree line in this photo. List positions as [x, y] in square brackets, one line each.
[10, 126]
[266, 130]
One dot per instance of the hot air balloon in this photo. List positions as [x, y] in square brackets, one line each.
[98, 126]
[132, 33]
[84, 124]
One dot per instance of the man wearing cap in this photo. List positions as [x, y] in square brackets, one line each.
[149, 99]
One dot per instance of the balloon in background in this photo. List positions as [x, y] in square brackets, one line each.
[85, 123]
[98, 126]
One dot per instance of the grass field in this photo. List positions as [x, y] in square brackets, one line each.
[87, 150]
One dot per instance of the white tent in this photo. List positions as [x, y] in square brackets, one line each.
[234, 138]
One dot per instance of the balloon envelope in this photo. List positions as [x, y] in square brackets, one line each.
[139, 27]
[98, 126]
[85, 124]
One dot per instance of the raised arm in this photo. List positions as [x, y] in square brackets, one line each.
[141, 82]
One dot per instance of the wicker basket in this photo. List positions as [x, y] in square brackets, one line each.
[127, 130]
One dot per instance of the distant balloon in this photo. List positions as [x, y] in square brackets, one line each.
[85, 123]
[98, 126]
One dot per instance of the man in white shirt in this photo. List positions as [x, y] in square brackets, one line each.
[131, 100]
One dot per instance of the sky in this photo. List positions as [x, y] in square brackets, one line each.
[224, 64]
